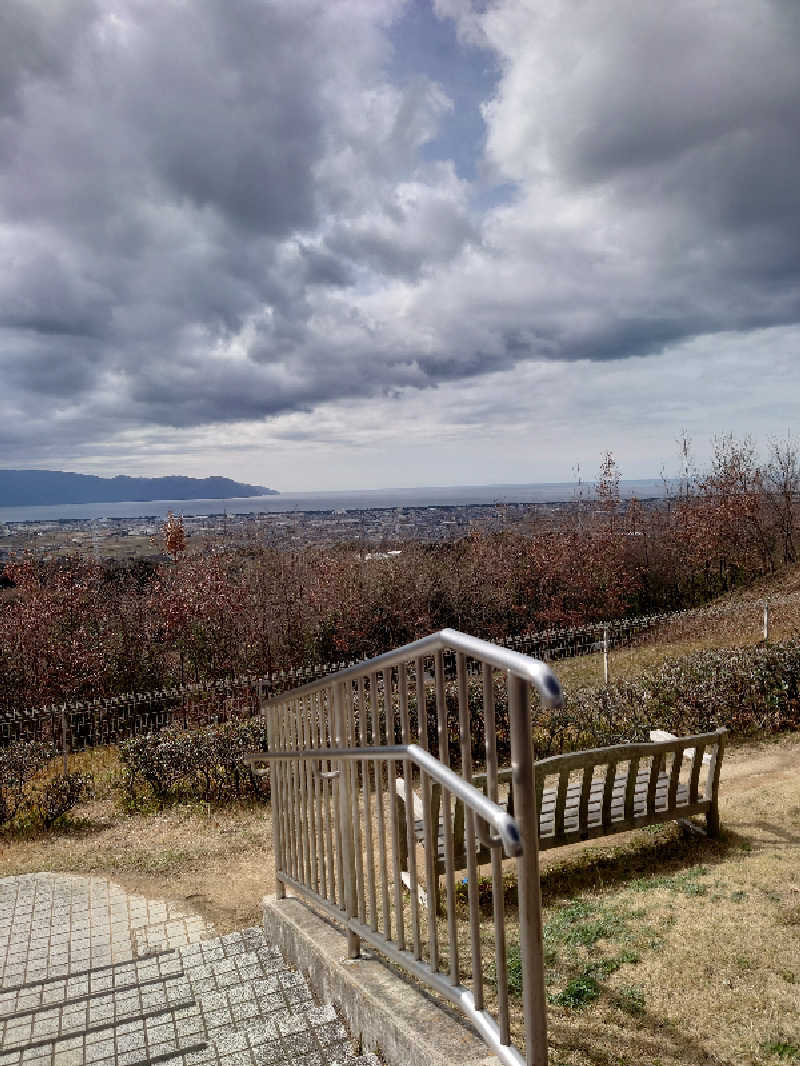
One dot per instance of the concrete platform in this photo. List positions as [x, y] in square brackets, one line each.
[382, 1008]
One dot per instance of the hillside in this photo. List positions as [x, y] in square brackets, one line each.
[21, 488]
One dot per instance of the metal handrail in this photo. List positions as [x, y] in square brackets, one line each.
[492, 814]
[326, 810]
[533, 671]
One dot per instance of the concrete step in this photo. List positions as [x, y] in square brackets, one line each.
[219, 1002]
[83, 982]
[80, 985]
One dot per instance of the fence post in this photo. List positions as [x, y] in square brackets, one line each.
[605, 655]
[766, 621]
[347, 843]
[534, 1002]
[64, 737]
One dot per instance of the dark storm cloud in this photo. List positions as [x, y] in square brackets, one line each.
[321, 268]
[48, 368]
[234, 209]
[36, 42]
[230, 118]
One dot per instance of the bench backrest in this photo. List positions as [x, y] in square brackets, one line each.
[605, 790]
[629, 784]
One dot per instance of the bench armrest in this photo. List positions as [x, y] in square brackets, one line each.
[661, 734]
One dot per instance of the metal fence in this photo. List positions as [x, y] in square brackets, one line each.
[752, 620]
[345, 799]
[76, 725]
[79, 724]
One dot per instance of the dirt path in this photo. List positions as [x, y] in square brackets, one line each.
[743, 768]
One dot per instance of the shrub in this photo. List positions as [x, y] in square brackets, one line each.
[204, 764]
[60, 794]
[157, 760]
[44, 800]
[20, 762]
[750, 691]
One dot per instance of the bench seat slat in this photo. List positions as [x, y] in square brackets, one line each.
[642, 785]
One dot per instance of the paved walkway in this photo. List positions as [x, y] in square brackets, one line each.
[92, 974]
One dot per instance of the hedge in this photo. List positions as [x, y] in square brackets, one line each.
[750, 691]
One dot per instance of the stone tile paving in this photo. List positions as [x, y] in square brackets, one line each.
[91, 974]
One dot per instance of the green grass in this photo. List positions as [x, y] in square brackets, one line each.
[787, 1050]
[688, 882]
[583, 922]
[630, 998]
[577, 992]
[585, 942]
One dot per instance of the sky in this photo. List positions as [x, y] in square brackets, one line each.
[363, 243]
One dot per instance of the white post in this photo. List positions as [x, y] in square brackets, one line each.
[766, 621]
[605, 655]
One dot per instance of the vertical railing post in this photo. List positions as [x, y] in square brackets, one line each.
[346, 841]
[605, 655]
[534, 1002]
[498, 902]
[766, 621]
[274, 796]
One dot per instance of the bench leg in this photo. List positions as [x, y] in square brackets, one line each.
[712, 821]
[689, 828]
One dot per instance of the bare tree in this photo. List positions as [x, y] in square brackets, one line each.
[782, 484]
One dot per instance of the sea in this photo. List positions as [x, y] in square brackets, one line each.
[356, 500]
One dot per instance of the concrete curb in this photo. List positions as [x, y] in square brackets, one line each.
[381, 1006]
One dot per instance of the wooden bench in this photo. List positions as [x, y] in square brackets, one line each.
[587, 794]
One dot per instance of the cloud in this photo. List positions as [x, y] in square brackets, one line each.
[233, 211]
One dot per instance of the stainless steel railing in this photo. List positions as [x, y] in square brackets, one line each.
[352, 830]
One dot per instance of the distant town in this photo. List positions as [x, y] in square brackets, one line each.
[375, 529]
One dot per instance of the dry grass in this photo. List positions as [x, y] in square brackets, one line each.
[734, 621]
[218, 860]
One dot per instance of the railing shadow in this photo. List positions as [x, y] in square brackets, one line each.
[656, 1039]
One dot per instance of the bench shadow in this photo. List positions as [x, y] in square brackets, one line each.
[654, 1040]
[663, 854]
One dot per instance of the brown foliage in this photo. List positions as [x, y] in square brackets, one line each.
[72, 629]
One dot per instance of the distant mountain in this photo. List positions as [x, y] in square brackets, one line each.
[20, 488]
